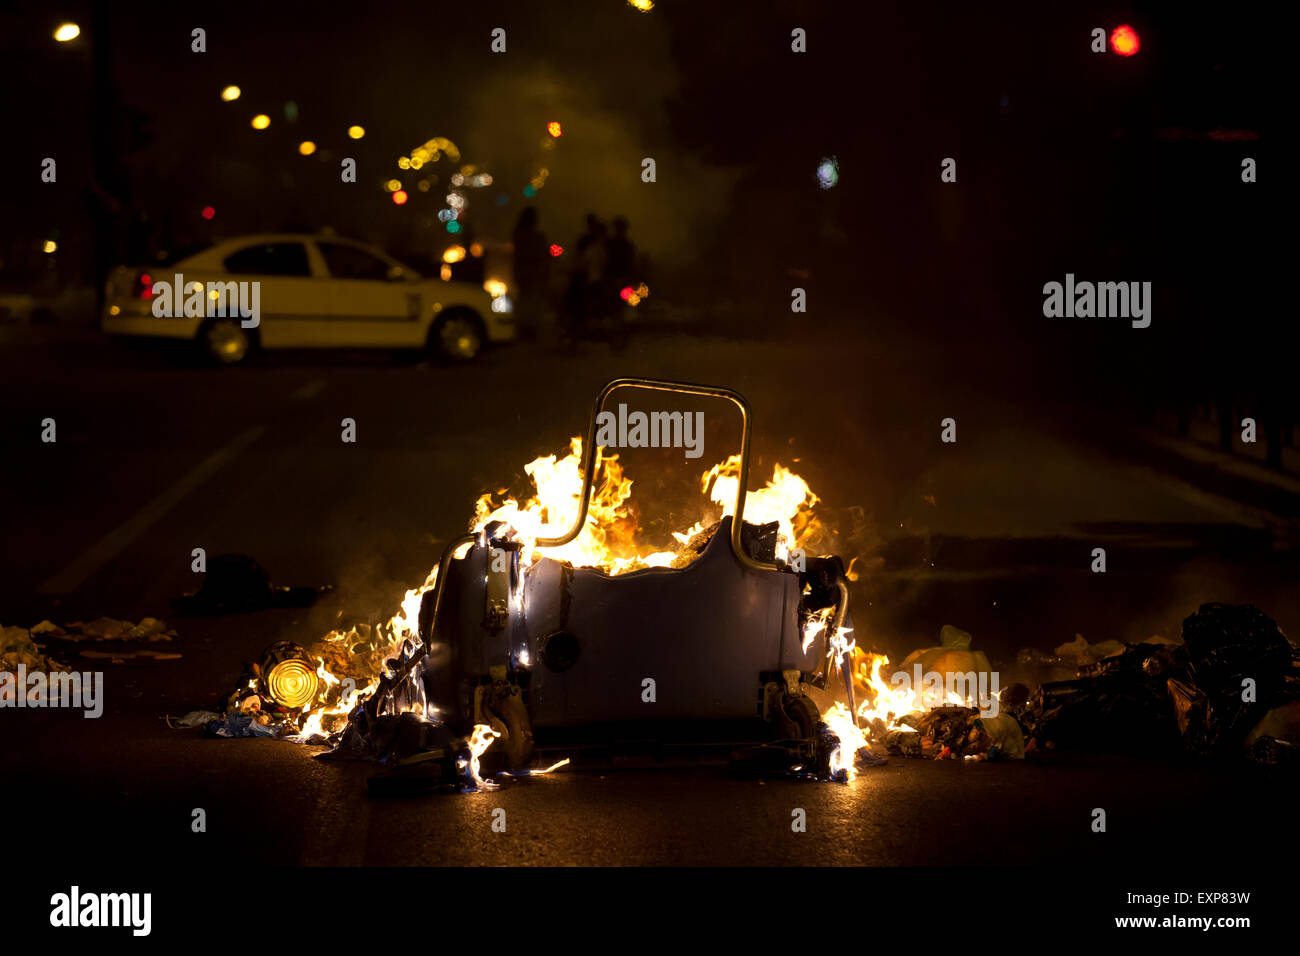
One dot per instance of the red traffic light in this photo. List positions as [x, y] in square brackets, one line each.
[1124, 40]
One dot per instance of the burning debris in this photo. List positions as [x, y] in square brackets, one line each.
[551, 614]
[532, 619]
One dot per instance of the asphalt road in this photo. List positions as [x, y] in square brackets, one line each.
[994, 534]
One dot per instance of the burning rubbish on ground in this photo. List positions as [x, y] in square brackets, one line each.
[551, 614]
[524, 629]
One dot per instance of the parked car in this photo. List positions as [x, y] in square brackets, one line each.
[314, 291]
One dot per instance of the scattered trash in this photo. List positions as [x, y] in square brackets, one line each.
[1007, 740]
[1226, 689]
[195, 718]
[1079, 652]
[1275, 752]
[18, 649]
[121, 656]
[952, 656]
[1281, 721]
[1227, 646]
[235, 582]
[243, 725]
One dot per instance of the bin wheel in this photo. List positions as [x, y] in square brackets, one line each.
[804, 713]
[519, 732]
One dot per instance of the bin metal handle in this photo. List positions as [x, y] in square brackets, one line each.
[680, 388]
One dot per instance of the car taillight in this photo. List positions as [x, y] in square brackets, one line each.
[143, 286]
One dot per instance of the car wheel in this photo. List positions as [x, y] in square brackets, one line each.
[224, 341]
[457, 336]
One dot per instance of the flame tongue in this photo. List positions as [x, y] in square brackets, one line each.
[786, 499]
[608, 537]
[479, 741]
[840, 722]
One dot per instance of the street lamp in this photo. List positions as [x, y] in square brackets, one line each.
[66, 32]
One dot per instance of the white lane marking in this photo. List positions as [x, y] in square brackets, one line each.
[309, 390]
[99, 554]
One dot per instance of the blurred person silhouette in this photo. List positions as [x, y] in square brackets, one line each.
[532, 266]
[620, 261]
[585, 270]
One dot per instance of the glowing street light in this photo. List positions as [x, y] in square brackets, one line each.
[230, 94]
[66, 32]
[261, 121]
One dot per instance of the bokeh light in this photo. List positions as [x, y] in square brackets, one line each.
[399, 197]
[453, 227]
[356, 132]
[557, 250]
[261, 121]
[51, 245]
[208, 212]
[1124, 40]
[230, 94]
[828, 172]
[554, 129]
[66, 32]
[306, 147]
